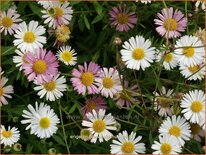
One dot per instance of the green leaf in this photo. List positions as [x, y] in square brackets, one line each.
[5, 5]
[7, 50]
[86, 22]
[58, 140]
[98, 7]
[36, 10]
[97, 19]
[29, 148]
[73, 107]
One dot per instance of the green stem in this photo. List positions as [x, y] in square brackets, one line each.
[65, 138]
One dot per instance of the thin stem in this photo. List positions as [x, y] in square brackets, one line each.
[65, 138]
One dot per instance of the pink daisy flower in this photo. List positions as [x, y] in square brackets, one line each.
[9, 21]
[41, 65]
[85, 78]
[171, 23]
[94, 103]
[122, 19]
[122, 99]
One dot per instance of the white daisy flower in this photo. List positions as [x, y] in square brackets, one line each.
[127, 144]
[67, 55]
[109, 82]
[162, 104]
[57, 14]
[9, 21]
[138, 53]
[5, 91]
[29, 115]
[168, 57]
[195, 72]
[99, 124]
[189, 51]
[42, 120]
[193, 104]
[45, 4]
[10, 136]
[29, 37]
[52, 89]
[200, 3]
[144, 1]
[19, 59]
[167, 145]
[176, 126]
[197, 132]
[44, 124]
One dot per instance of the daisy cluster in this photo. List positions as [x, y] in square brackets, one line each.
[181, 114]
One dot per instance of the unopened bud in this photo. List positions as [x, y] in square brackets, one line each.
[17, 147]
[117, 41]
[52, 151]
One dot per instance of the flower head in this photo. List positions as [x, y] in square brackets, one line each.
[57, 14]
[9, 21]
[109, 83]
[122, 19]
[193, 104]
[170, 23]
[98, 123]
[94, 103]
[19, 59]
[127, 144]
[29, 37]
[137, 53]
[10, 136]
[41, 65]
[85, 78]
[176, 126]
[52, 88]
[5, 91]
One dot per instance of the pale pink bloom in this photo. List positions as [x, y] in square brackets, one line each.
[122, 100]
[41, 65]
[122, 19]
[163, 102]
[5, 91]
[85, 78]
[109, 83]
[94, 103]
[9, 21]
[170, 23]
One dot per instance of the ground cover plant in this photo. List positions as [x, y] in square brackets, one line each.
[102, 77]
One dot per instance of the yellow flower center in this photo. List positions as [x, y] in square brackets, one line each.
[108, 82]
[1, 91]
[195, 128]
[165, 148]
[164, 102]
[63, 33]
[128, 147]
[39, 67]
[29, 37]
[87, 78]
[122, 18]
[7, 134]
[7, 22]
[175, 131]
[99, 126]
[188, 52]
[66, 56]
[196, 106]
[50, 86]
[168, 57]
[194, 68]
[44, 122]
[56, 12]
[170, 24]
[91, 105]
[138, 53]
